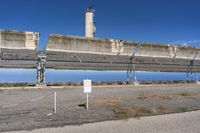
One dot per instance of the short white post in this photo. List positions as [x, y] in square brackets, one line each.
[87, 101]
[55, 102]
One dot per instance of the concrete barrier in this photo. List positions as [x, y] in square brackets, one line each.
[77, 44]
[18, 49]
[11, 39]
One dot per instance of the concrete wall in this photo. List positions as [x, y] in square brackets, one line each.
[77, 44]
[18, 39]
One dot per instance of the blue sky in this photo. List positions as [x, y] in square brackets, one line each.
[159, 21]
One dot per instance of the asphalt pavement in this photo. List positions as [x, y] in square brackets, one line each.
[188, 122]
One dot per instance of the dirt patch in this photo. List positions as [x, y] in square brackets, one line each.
[109, 102]
[185, 94]
[179, 94]
[166, 97]
[144, 96]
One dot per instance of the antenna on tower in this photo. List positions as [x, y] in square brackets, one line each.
[90, 9]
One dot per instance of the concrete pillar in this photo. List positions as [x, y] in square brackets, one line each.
[89, 23]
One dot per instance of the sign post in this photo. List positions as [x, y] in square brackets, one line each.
[55, 102]
[87, 89]
[87, 102]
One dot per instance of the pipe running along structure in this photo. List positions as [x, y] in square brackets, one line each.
[19, 50]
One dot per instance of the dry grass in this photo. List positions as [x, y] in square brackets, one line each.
[166, 97]
[109, 102]
[144, 111]
[123, 113]
[186, 94]
[132, 112]
[162, 109]
[183, 109]
[180, 94]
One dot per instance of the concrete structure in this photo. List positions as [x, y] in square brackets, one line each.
[18, 49]
[11, 39]
[89, 23]
[78, 44]
[75, 52]
[18, 45]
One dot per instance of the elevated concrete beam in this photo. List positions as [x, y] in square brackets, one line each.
[77, 44]
[95, 52]
[11, 39]
[18, 48]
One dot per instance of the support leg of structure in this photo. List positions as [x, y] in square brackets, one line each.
[131, 73]
[189, 70]
[198, 82]
[41, 66]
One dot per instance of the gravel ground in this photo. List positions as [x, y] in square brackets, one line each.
[170, 123]
[34, 108]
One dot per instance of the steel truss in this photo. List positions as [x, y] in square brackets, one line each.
[192, 68]
[131, 70]
[41, 66]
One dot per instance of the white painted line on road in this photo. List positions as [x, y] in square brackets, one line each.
[25, 103]
[12, 105]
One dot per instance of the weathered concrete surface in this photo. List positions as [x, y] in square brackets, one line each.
[74, 52]
[18, 49]
[78, 44]
[18, 39]
[68, 60]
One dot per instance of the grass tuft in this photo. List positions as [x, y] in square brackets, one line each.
[183, 109]
[132, 112]
[162, 109]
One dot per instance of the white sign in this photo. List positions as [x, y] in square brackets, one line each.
[87, 86]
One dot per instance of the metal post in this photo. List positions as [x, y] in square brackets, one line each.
[87, 102]
[54, 102]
